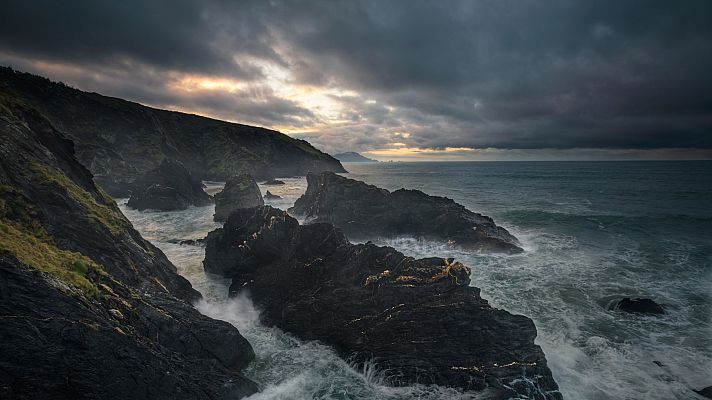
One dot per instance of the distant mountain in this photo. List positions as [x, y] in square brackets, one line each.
[351, 156]
[118, 140]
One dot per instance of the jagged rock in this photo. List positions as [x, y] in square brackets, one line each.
[240, 191]
[188, 242]
[636, 305]
[88, 308]
[365, 211]
[419, 320]
[118, 140]
[271, 196]
[273, 182]
[168, 187]
[705, 392]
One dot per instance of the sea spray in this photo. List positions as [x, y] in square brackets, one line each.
[588, 234]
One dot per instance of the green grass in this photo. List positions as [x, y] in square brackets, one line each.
[33, 246]
[105, 214]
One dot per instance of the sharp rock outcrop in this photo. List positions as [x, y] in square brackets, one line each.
[168, 187]
[241, 191]
[419, 320]
[365, 211]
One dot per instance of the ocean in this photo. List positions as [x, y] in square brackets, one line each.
[591, 230]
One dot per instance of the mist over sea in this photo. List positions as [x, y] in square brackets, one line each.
[591, 231]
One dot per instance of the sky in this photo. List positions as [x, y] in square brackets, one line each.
[401, 79]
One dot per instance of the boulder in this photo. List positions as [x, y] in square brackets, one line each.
[419, 320]
[168, 187]
[365, 211]
[270, 196]
[273, 182]
[636, 305]
[240, 191]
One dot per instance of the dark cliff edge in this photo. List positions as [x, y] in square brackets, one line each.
[118, 140]
[419, 321]
[88, 308]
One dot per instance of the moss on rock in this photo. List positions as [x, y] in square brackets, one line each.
[33, 246]
[105, 214]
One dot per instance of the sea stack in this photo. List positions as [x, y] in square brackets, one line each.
[241, 191]
[168, 187]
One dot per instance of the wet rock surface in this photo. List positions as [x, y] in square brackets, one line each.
[240, 191]
[636, 305]
[418, 320]
[271, 196]
[365, 211]
[88, 308]
[705, 392]
[273, 182]
[168, 187]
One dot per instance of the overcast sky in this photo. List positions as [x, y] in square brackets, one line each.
[467, 79]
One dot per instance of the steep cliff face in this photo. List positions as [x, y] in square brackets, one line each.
[119, 140]
[88, 308]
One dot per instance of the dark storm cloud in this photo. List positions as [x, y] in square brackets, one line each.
[503, 74]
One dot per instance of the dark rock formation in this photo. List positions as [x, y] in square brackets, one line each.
[273, 182]
[419, 320]
[188, 242]
[271, 196]
[168, 187]
[240, 191]
[119, 140]
[705, 392]
[88, 308]
[636, 305]
[364, 211]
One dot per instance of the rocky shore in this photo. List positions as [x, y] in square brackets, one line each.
[419, 320]
[365, 211]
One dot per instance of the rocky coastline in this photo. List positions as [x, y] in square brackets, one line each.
[365, 211]
[420, 320]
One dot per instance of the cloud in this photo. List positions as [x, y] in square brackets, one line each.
[500, 74]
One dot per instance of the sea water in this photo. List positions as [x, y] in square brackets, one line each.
[591, 231]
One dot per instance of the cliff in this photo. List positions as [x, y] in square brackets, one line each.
[118, 140]
[88, 308]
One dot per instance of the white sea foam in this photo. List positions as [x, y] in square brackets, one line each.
[576, 256]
